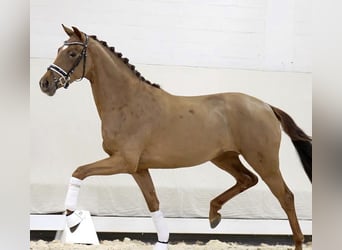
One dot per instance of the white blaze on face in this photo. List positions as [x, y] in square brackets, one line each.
[64, 47]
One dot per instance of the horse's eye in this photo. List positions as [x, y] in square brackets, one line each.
[72, 54]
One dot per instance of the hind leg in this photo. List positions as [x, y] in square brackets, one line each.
[245, 179]
[286, 198]
[269, 171]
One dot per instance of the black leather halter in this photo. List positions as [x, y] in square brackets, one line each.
[64, 79]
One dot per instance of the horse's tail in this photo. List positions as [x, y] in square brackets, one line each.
[301, 141]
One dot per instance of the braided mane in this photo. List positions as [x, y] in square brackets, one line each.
[125, 61]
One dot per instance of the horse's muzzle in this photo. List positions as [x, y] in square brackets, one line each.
[46, 86]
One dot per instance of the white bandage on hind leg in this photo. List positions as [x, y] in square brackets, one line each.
[161, 227]
[72, 194]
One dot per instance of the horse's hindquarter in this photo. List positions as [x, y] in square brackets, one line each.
[255, 127]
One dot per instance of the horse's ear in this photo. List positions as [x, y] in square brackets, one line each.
[67, 30]
[77, 32]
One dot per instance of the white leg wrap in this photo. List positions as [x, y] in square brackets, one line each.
[162, 230]
[72, 194]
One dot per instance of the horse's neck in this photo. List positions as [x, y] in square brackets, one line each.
[112, 83]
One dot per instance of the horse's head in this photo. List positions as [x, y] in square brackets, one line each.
[70, 63]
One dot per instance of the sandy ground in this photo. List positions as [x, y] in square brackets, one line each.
[128, 244]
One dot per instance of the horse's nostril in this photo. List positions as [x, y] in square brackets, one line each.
[44, 84]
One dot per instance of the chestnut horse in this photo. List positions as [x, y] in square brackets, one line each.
[145, 127]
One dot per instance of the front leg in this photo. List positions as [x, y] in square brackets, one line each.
[115, 164]
[144, 181]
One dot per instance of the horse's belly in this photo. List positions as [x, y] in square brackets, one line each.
[173, 159]
[184, 152]
[195, 133]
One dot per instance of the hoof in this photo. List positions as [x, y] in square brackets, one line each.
[215, 221]
[161, 246]
[299, 247]
[74, 220]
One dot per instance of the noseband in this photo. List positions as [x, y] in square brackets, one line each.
[64, 79]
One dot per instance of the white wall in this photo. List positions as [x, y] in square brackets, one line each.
[272, 35]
